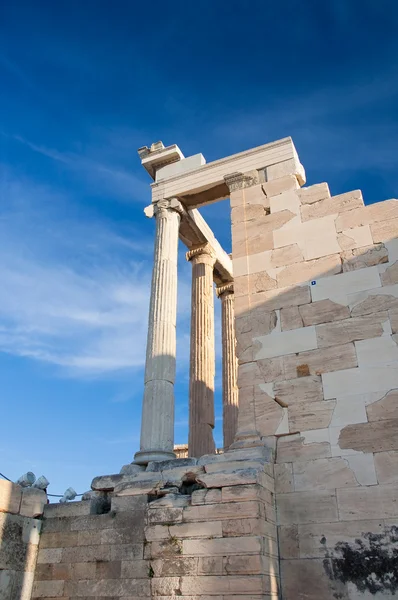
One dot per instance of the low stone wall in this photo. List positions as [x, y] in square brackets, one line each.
[20, 524]
[194, 528]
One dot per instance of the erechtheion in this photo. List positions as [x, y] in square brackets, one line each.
[302, 504]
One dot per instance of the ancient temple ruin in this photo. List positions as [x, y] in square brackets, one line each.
[303, 502]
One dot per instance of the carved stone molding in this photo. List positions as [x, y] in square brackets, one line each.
[225, 288]
[239, 181]
[164, 205]
[201, 253]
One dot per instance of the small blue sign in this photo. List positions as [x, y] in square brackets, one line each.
[313, 282]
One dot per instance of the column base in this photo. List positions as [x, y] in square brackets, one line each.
[247, 439]
[143, 457]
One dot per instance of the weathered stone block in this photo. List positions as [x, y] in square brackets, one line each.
[288, 542]
[291, 318]
[49, 555]
[177, 565]
[323, 360]
[377, 436]
[294, 447]
[308, 270]
[107, 483]
[317, 506]
[323, 474]
[293, 295]
[357, 237]
[331, 206]
[64, 539]
[10, 497]
[69, 509]
[386, 464]
[351, 330]
[243, 476]
[313, 193]
[33, 502]
[368, 215]
[211, 529]
[286, 255]
[48, 589]
[372, 502]
[359, 258]
[375, 303]
[390, 275]
[385, 408]
[302, 389]
[128, 503]
[386, 230]
[222, 585]
[165, 515]
[309, 580]
[280, 185]
[215, 512]
[284, 482]
[249, 526]
[311, 415]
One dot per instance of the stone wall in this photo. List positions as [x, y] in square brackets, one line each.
[20, 523]
[316, 304]
[188, 528]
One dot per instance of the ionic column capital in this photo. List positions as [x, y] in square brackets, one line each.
[163, 207]
[202, 254]
[238, 181]
[225, 289]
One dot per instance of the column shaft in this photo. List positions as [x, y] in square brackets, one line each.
[229, 365]
[202, 358]
[157, 426]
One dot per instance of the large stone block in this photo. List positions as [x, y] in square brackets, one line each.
[68, 509]
[360, 258]
[357, 237]
[48, 589]
[49, 555]
[338, 287]
[309, 270]
[291, 318]
[317, 506]
[310, 580]
[284, 256]
[64, 539]
[138, 588]
[332, 206]
[376, 302]
[211, 529]
[323, 360]
[378, 436]
[386, 230]
[314, 193]
[386, 464]
[280, 185]
[215, 512]
[222, 546]
[368, 215]
[177, 565]
[293, 295]
[285, 342]
[33, 502]
[228, 584]
[302, 389]
[373, 502]
[284, 482]
[385, 408]
[316, 239]
[361, 380]
[10, 497]
[351, 330]
[294, 447]
[323, 474]
[311, 415]
[390, 275]
[256, 236]
[323, 311]
[319, 540]
[268, 413]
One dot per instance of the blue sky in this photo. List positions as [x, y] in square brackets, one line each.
[84, 84]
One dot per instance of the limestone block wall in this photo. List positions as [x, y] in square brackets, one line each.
[20, 525]
[316, 304]
[189, 528]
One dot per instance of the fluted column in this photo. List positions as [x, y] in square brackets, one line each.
[202, 359]
[157, 426]
[230, 394]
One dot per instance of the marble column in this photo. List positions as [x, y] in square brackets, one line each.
[157, 425]
[202, 359]
[230, 395]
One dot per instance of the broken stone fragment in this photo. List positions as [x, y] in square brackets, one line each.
[143, 483]
[106, 483]
[131, 469]
[171, 501]
[165, 465]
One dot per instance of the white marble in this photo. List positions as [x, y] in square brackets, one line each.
[315, 238]
[286, 342]
[360, 380]
[382, 351]
[339, 287]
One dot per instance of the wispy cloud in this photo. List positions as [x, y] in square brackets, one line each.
[76, 296]
[100, 172]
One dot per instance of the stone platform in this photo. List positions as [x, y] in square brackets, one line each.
[194, 528]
